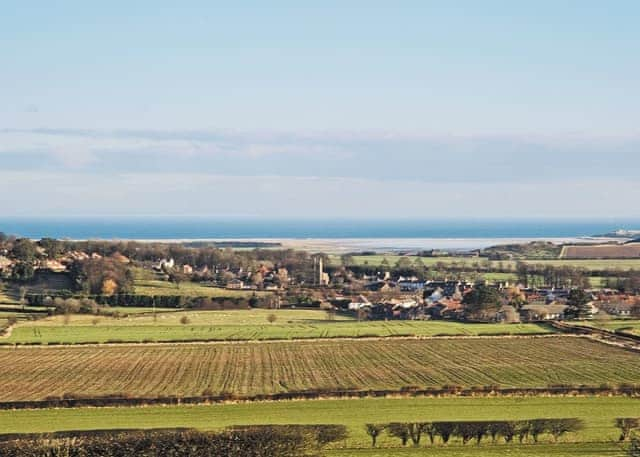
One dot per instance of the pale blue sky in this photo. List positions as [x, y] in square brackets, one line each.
[144, 107]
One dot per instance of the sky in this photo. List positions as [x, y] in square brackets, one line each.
[326, 109]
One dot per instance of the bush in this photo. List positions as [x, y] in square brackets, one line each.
[248, 442]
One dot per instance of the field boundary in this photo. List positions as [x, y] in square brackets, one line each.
[38, 344]
[632, 391]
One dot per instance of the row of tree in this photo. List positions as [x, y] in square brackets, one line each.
[467, 431]
[256, 441]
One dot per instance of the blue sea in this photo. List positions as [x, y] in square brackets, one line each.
[173, 228]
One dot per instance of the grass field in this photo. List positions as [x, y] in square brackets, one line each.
[588, 264]
[626, 325]
[598, 414]
[264, 368]
[238, 325]
[188, 289]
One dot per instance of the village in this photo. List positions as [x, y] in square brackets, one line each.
[407, 290]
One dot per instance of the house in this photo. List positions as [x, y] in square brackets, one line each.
[620, 308]
[5, 264]
[445, 309]
[187, 269]
[508, 315]
[358, 303]
[235, 284]
[118, 257]
[411, 284]
[552, 312]
[53, 265]
[165, 265]
[378, 286]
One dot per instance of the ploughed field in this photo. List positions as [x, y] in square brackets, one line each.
[33, 373]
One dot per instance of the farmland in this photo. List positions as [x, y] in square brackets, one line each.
[472, 262]
[597, 412]
[236, 325]
[188, 289]
[264, 368]
[607, 251]
[551, 450]
[628, 326]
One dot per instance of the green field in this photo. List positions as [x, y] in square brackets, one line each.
[239, 325]
[188, 289]
[245, 369]
[588, 264]
[597, 412]
[625, 325]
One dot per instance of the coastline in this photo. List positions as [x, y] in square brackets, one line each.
[344, 245]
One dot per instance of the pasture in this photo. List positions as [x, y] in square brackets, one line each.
[624, 325]
[188, 289]
[245, 369]
[598, 414]
[236, 325]
[473, 262]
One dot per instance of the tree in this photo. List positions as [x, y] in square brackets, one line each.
[177, 277]
[327, 434]
[403, 263]
[430, 430]
[52, 247]
[416, 430]
[400, 430]
[257, 279]
[482, 302]
[22, 271]
[626, 426]
[578, 303]
[522, 272]
[24, 250]
[445, 430]
[23, 296]
[522, 429]
[559, 427]
[91, 275]
[347, 260]
[374, 430]
[109, 287]
[537, 427]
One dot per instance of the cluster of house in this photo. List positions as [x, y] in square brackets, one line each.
[443, 300]
[60, 264]
[264, 277]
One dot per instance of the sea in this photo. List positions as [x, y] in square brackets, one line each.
[348, 234]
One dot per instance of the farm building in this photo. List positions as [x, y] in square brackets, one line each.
[534, 313]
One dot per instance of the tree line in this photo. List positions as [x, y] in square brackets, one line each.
[253, 441]
[509, 431]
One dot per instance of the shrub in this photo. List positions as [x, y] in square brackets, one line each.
[626, 426]
[248, 442]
